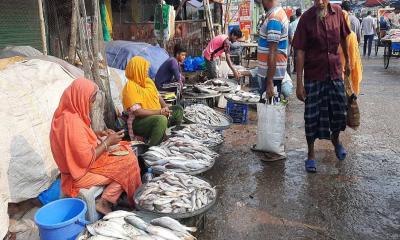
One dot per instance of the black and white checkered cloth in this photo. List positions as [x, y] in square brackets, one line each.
[325, 109]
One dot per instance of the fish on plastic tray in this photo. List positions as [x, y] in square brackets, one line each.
[242, 96]
[129, 226]
[201, 133]
[179, 155]
[176, 193]
[199, 113]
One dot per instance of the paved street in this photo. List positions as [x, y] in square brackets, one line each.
[356, 199]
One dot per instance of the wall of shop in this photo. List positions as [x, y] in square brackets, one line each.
[190, 34]
[19, 24]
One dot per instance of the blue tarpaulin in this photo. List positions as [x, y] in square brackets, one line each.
[120, 52]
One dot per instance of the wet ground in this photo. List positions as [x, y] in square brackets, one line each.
[355, 199]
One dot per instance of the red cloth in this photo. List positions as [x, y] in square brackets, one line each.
[320, 39]
[73, 144]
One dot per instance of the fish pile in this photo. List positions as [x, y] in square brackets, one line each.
[216, 85]
[129, 226]
[200, 88]
[201, 133]
[176, 193]
[179, 155]
[242, 96]
[199, 113]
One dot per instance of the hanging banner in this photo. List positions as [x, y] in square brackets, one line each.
[240, 16]
[234, 15]
[244, 11]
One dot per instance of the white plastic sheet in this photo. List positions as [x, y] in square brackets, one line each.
[29, 94]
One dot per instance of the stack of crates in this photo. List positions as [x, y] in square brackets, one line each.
[238, 112]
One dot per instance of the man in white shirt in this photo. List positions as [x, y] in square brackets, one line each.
[368, 27]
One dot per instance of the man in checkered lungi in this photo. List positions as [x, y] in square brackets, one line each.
[319, 33]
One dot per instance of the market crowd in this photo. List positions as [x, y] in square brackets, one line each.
[322, 43]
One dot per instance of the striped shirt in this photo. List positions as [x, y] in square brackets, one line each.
[274, 29]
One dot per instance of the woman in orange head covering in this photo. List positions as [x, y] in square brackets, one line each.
[81, 159]
[149, 116]
[354, 57]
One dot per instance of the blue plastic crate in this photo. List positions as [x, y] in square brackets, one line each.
[238, 112]
[396, 46]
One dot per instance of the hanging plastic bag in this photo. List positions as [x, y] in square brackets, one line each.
[353, 110]
[271, 128]
[287, 86]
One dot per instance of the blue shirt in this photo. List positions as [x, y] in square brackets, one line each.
[274, 29]
[168, 72]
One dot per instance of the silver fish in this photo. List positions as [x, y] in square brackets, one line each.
[117, 214]
[136, 222]
[100, 237]
[107, 229]
[172, 224]
[176, 193]
[162, 232]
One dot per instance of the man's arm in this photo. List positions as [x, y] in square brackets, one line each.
[177, 73]
[300, 91]
[230, 64]
[273, 50]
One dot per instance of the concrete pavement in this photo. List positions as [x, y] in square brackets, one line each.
[355, 199]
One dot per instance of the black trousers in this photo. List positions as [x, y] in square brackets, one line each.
[368, 39]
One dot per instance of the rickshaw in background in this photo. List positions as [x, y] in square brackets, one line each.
[383, 26]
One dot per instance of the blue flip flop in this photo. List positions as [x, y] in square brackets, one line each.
[310, 166]
[341, 152]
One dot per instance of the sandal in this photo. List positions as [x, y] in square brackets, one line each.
[340, 152]
[310, 166]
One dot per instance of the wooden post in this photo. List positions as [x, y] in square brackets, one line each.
[95, 44]
[207, 14]
[162, 40]
[42, 27]
[83, 51]
[57, 23]
[92, 53]
[100, 70]
[178, 10]
[74, 29]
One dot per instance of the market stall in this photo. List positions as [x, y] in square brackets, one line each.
[383, 16]
[391, 43]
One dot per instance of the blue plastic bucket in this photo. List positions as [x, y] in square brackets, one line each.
[62, 219]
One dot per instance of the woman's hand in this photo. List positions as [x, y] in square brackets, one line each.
[114, 138]
[165, 111]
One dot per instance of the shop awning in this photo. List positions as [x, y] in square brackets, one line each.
[375, 3]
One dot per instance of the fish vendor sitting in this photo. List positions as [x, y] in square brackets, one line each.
[84, 160]
[216, 47]
[149, 115]
[170, 70]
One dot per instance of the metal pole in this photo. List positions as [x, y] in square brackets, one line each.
[42, 27]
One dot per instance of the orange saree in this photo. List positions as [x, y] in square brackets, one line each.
[73, 145]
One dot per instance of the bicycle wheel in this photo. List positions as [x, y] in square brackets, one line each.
[386, 55]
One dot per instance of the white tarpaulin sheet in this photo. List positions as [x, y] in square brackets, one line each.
[117, 84]
[29, 94]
